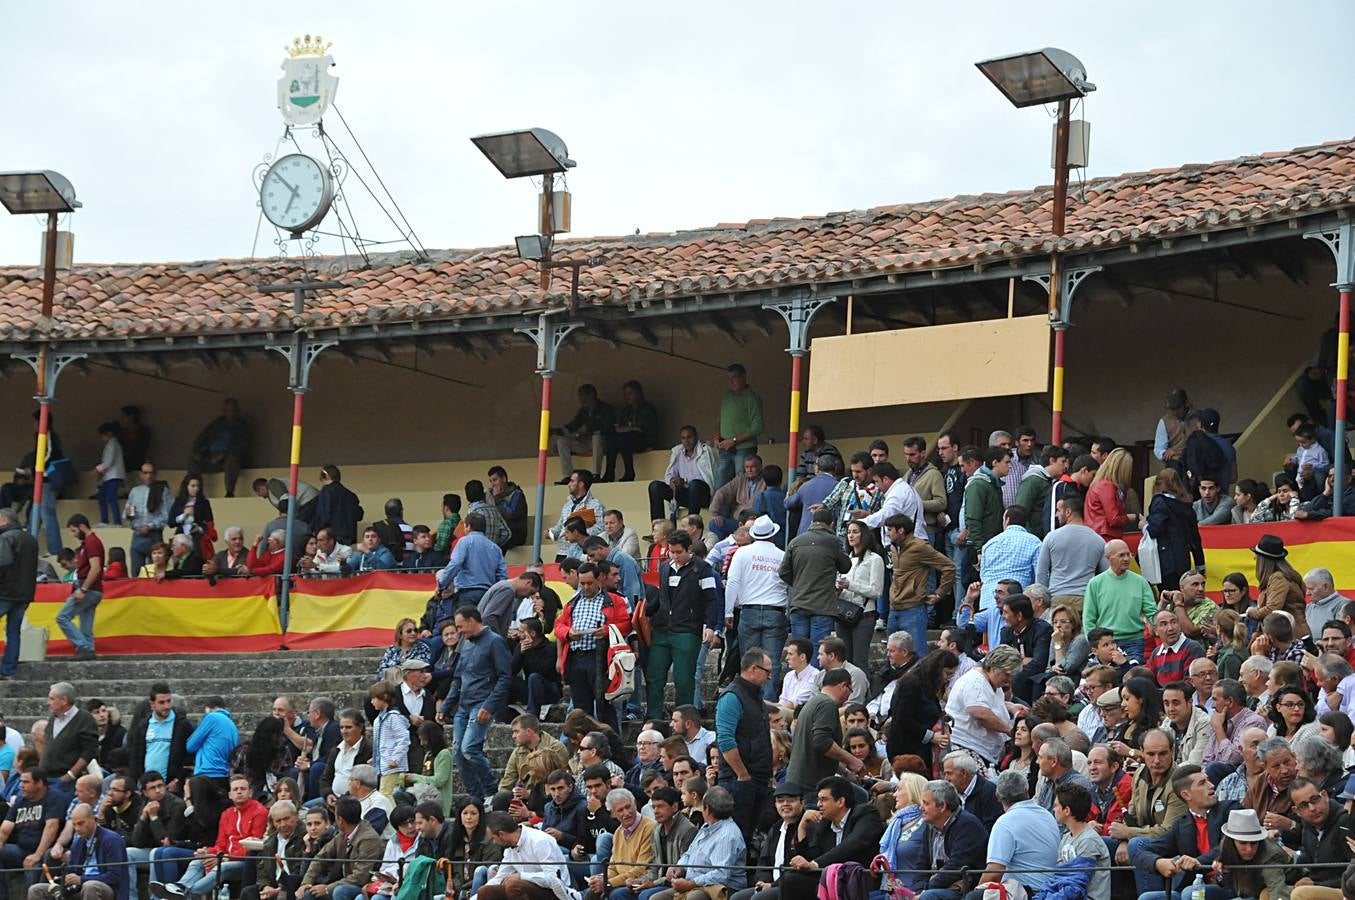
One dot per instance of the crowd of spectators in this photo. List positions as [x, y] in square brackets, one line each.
[1073, 716]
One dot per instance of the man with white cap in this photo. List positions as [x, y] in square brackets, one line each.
[753, 586]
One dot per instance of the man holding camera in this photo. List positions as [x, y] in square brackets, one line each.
[98, 863]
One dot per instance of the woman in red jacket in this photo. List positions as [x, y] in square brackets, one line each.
[1104, 508]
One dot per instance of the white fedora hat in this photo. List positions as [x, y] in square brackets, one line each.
[763, 528]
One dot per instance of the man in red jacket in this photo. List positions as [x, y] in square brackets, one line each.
[245, 818]
[581, 630]
[267, 557]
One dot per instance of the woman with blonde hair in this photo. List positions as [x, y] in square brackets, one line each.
[905, 856]
[1171, 522]
[407, 646]
[658, 554]
[1105, 507]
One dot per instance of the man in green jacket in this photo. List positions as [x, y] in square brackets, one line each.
[810, 566]
[1033, 493]
[983, 498]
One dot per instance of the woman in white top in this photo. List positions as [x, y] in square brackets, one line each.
[861, 586]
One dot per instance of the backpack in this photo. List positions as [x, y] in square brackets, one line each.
[846, 881]
[621, 661]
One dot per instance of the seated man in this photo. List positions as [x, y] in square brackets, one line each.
[1029, 634]
[588, 430]
[222, 445]
[425, 557]
[285, 844]
[233, 560]
[713, 866]
[371, 555]
[98, 857]
[330, 556]
[951, 843]
[345, 864]
[270, 558]
[31, 825]
[840, 830]
[244, 818]
[1024, 838]
[1190, 844]
[632, 843]
[159, 812]
[781, 843]
[533, 866]
[1171, 660]
[736, 496]
[184, 559]
[978, 796]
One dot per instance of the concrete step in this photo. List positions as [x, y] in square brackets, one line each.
[284, 665]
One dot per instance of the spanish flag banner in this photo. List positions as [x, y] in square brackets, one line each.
[362, 611]
[1328, 544]
[142, 616]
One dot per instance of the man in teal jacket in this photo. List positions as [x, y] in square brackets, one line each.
[212, 741]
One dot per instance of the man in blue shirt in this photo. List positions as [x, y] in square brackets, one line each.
[373, 555]
[476, 563]
[212, 741]
[632, 587]
[478, 692]
[1024, 837]
[813, 491]
[97, 855]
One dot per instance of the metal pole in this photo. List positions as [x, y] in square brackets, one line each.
[793, 451]
[542, 451]
[44, 400]
[1342, 375]
[547, 226]
[1059, 213]
[295, 475]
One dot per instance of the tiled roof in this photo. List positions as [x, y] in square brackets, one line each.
[119, 301]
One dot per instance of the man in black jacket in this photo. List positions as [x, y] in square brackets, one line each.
[1180, 852]
[836, 832]
[978, 795]
[685, 610]
[158, 738]
[337, 508]
[1032, 636]
[282, 860]
[354, 749]
[161, 818]
[964, 841]
[18, 583]
[1324, 824]
[781, 845]
[435, 832]
[65, 755]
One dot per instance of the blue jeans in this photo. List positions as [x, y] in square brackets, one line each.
[468, 746]
[14, 621]
[167, 863]
[139, 858]
[1211, 891]
[109, 508]
[766, 627]
[882, 601]
[478, 879]
[1133, 649]
[697, 700]
[197, 881]
[730, 464]
[1144, 880]
[913, 621]
[45, 516]
[815, 628]
[540, 692]
[938, 894]
[345, 892]
[83, 637]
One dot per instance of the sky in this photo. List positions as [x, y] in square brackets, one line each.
[679, 115]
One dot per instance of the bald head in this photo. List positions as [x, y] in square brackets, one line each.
[1118, 556]
[82, 820]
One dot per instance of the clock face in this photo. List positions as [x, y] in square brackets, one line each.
[296, 193]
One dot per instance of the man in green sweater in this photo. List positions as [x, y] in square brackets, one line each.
[983, 498]
[740, 424]
[1120, 600]
[817, 750]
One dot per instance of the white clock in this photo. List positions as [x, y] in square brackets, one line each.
[296, 193]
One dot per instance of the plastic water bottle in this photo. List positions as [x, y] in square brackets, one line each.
[1196, 890]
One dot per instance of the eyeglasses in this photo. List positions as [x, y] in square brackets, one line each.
[1290, 704]
[1311, 801]
[763, 668]
[646, 743]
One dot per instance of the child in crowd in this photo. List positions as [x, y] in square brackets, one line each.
[112, 473]
[390, 738]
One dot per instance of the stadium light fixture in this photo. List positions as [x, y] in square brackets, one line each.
[1038, 76]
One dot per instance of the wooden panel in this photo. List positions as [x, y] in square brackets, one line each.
[990, 358]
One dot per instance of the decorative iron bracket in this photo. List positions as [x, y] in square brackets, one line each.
[1069, 281]
[56, 362]
[548, 334]
[300, 357]
[798, 314]
[1341, 242]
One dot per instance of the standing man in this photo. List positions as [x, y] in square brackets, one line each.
[1169, 442]
[88, 589]
[812, 492]
[684, 612]
[213, 740]
[1008, 556]
[588, 430]
[983, 498]
[18, 583]
[810, 566]
[854, 492]
[925, 480]
[1070, 556]
[479, 691]
[913, 562]
[816, 749]
[740, 424]
[579, 503]
[744, 738]
[147, 512]
[1120, 600]
[687, 480]
[953, 481]
[581, 631]
[158, 740]
[1035, 491]
[476, 564]
[753, 586]
[336, 508]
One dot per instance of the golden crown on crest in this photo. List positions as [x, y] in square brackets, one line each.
[308, 46]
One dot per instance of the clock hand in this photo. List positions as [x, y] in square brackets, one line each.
[286, 185]
[288, 208]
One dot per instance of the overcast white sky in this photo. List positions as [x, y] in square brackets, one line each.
[680, 115]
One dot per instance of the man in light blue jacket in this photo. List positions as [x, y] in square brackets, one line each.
[212, 741]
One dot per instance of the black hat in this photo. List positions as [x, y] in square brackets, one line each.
[1270, 546]
[786, 789]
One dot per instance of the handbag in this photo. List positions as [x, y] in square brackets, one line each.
[1150, 563]
[848, 613]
